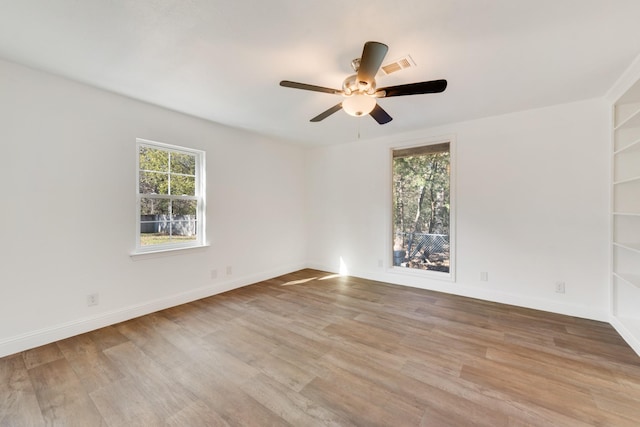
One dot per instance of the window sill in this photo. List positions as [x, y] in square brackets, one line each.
[136, 256]
[424, 274]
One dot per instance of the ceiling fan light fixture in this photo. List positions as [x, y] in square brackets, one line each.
[358, 105]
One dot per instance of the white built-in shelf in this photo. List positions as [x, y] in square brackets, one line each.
[631, 327]
[626, 214]
[626, 193]
[632, 323]
[635, 247]
[627, 180]
[632, 279]
[630, 119]
[630, 148]
[630, 96]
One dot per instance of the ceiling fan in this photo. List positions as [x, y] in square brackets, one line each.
[359, 90]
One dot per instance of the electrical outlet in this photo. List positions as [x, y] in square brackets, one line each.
[380, 263]
[560, 287]
[92, 299]
[484, 276]
[229, 270]
[214, 274]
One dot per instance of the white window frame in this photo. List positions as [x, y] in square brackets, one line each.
[199, 195]
[451, 275]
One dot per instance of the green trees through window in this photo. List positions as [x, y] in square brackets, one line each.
[421, 207]
[169, 195]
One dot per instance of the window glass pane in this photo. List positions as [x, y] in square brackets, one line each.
[155, 237]
[183, 163]
[155, 222]
[183, 185]
[153, 183]
[184, 207]
[184, 219]
[184, 228]
[148, 230]
[152, 159]
[165, 232]
[153, 214]
[421, 206]
[149, 206]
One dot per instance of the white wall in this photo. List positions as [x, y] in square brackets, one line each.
[68, 209]
[532, 208]
[532, 199]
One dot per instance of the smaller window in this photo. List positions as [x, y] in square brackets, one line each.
[170, 197]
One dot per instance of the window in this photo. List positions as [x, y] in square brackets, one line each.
[170, 197]
[422, 208]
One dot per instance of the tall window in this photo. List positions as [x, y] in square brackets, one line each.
[170, 197]
[422, 208]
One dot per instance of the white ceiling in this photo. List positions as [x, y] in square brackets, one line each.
[222, 59]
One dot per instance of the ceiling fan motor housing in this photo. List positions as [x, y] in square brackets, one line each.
[352, 85]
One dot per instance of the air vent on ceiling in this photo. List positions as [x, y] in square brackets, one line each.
[397, 65]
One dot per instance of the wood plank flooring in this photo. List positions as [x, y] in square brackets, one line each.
[310, 348]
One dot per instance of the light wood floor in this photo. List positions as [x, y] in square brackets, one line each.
[311, 349]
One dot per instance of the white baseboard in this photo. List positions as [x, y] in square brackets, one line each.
[631, 339]
[450, 287]
[61, 331]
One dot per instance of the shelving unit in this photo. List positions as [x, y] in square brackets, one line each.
[625, 216]
[630, 279]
